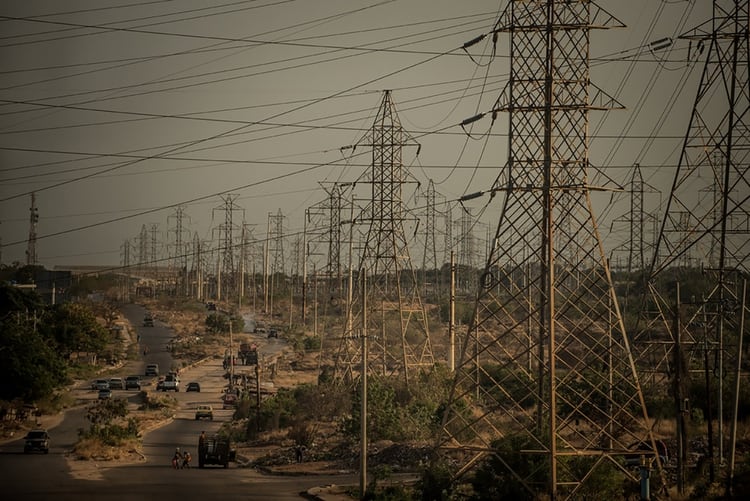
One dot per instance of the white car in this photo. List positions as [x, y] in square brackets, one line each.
[100, 384]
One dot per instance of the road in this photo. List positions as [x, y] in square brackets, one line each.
[43, 477]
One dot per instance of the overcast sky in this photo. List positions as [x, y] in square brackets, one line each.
[115, 112]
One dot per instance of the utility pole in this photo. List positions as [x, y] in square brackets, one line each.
[452, 318]
[363, 381]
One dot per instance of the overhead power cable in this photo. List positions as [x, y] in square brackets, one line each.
[174, 150]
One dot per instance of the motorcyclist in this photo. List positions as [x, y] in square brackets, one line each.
[177, 459]
[186, 460]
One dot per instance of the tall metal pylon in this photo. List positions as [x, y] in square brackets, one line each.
[274, 258]
[31, 257]
[639, 246]
[430, 263]
[546, 394]
[398, 321]
[125, 276]
[154, 241]
[226, 270]
[178, 249]
[467, 258]
[703, 247]
[197, 268]
[143, 249]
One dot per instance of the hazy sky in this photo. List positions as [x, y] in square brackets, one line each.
[115, 112]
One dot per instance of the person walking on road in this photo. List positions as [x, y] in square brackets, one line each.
[177, 459]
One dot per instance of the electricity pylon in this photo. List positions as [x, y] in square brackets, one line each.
[226, 271]
[430, 263]
[703, 247]
[546, 393]
[178, 253]
[401, 340]
[31, 257]
[196, 268]
[143, 249]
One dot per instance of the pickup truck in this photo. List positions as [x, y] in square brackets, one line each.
[171, 383]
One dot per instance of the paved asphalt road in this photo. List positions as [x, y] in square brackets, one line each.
[43, 477]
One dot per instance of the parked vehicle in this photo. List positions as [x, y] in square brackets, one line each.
[152, 370]
[133, 383]
[229, 401]
[116, 383]
[204, 412]
[216, 450]
[100, 384]
[148, 320]
[105, 394]
[193, 386]
[36, 440]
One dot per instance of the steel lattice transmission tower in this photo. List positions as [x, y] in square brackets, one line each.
[545, 389]
[197, 268]
[274, 259]
[401, 341]
[703, 245]
[143, 249]
[31, 258]
[226, 270]
[430, 262]
[178, 249]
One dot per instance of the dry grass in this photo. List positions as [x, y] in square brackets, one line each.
[95, 449]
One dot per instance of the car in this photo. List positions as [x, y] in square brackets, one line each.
[105, 394]
[152, 370]
[229, 401]
[116, 383]
[100, 384]
[171, 383]
[148, 320]
[193, 386]
[36, 440]
[273, 333]
[204, 412]
[133, 382]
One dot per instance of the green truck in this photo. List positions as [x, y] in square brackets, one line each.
[215, 450]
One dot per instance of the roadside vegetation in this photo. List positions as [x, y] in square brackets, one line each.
[44, 345]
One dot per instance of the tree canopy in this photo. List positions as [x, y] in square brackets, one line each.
[36, 342]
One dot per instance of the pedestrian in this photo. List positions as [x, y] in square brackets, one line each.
[177, 459]
[299, 449]
[201, 442]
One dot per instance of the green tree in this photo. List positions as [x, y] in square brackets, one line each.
[30, 367]
[16, 301]
[75, 329]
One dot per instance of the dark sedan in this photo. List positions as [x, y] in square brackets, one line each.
[37, 440]
[193, 387]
